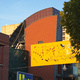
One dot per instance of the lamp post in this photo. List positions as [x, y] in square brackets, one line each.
[64, 67]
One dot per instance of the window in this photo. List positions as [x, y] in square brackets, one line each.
[39, 42]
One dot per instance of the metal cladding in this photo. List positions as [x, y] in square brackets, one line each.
[38, 15]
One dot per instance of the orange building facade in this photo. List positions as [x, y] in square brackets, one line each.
[43, 27]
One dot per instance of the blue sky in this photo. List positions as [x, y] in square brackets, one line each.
[16, 11]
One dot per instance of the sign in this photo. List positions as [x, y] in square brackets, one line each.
[52, 54]
[24, 76]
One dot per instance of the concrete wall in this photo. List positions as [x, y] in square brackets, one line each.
[9, 29]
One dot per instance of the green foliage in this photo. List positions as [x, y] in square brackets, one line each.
[70, 18]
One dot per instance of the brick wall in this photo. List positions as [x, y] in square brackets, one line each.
[4, 56]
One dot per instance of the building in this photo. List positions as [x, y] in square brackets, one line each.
[4, 56]
[9, 29]
[66, 37]
[43, 27]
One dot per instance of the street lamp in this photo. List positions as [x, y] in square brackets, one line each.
[64, 67]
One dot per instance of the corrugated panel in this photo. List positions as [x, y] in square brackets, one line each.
[39, 15]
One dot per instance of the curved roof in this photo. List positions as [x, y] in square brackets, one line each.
[38, 15]
[19, 32]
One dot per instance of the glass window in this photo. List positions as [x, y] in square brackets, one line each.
[39, 42]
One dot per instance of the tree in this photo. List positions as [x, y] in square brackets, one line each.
[70, 19]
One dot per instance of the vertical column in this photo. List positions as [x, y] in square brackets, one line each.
[19, 76]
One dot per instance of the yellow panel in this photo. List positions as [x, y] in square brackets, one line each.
[52, 54]
[23, 76]
[19, 76]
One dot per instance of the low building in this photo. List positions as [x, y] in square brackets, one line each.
[9, 29]
[4, 56]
